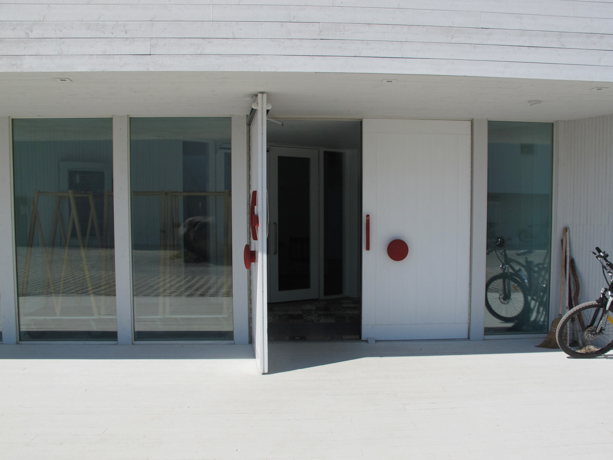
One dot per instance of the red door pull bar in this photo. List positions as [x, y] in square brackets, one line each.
[368, 232]
[255, 221]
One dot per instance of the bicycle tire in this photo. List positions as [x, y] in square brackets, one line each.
[505, 309]
[574, 331]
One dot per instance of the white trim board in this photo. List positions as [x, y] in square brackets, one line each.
[123, 232]
[415, 332]
[8, 274]
[478, 229]
[240, 198]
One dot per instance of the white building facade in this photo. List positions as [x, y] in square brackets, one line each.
[396, 151]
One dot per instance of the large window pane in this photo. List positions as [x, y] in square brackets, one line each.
[64, 229]
[518, 227]
[181, 228]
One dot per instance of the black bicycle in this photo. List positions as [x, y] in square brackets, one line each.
[586, 331]
[507, 294]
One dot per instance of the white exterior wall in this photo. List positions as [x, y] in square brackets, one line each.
[548, 40]
[551, 39]
[584, 191]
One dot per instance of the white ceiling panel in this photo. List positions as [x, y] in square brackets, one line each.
[300, 95]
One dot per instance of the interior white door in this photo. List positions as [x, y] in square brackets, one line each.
[416, 188]
[294, 224]
[258, 233]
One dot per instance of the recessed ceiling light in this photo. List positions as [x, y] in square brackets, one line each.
[63, 79]
[599, 88]
[535, 102]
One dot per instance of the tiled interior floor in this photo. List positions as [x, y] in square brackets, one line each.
[315, 319]
[158, 273]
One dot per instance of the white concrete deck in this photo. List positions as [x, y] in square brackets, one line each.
[497, 399]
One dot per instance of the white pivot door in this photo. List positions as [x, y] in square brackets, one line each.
[416, 188]
[293, 243]
[258, 233]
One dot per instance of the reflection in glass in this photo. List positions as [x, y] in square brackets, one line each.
[64, 229]
[518, 227]
[181, 228]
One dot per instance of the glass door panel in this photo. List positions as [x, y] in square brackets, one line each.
[294, 239]
[181, 228]
[64, 229]
[520, 159]
[294, 235]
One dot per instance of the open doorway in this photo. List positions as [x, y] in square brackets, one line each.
[314, 273]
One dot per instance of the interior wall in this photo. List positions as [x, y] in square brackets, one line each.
[162, 164]
[37, 167]
[519, 192]
[351, 222]
[584, 190]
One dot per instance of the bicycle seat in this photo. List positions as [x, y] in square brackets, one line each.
[524, 252]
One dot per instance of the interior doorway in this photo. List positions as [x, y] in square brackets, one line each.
[293, 253]
[314, 273]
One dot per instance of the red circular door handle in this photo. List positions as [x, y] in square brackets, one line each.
[249, 257]
[397, 250]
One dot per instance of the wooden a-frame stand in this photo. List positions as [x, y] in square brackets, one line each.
[169, 240]
[170, 222]
[66, 237]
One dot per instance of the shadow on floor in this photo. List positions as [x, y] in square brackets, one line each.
[283, 356]
[291, 356]
[115, 352]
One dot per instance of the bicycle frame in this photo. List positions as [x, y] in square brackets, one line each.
[606, 294]
[531, 276]
[530, 273]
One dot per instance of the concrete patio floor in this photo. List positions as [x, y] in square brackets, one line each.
[496, 399]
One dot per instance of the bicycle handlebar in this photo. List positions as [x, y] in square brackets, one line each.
[603, 257]
[600, 254]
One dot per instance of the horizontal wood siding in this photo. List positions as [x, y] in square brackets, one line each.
[584, 171]
[557, 39]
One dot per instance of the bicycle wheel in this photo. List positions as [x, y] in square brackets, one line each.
[577, 333]
[505, 297]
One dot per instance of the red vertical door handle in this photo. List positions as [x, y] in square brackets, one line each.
[368, 232]
[254, 220]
